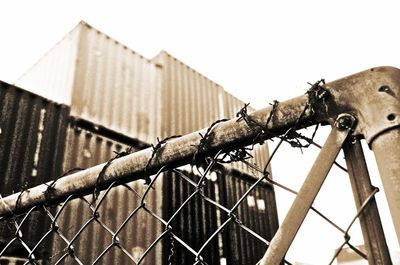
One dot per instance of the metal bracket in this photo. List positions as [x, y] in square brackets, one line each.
[282, 240]
[373, 96]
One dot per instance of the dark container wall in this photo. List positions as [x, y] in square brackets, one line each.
[199, 219]
[85, 148]
[32, 140]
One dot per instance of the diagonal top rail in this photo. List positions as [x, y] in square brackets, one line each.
[320, 103]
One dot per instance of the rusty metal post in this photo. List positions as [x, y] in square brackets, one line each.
[386, 148]
[373, 96]
[371, 226]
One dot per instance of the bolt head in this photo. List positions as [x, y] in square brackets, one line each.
[345, 121]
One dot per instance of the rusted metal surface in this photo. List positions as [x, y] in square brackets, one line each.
[374, 237]
[226, 134]
[233, 133]
[196, 222]
[84, 149]
[372, 96]
[32, 138]
[309, 190]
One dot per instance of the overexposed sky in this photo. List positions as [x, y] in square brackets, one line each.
[257, 50]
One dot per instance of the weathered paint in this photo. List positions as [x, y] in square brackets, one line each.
[32, 142]
[85, 149]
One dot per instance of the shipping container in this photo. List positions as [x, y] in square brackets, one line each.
[118, 99]
[32, 140]
[194, 224]
[199, 219]
[109, 84]
[85, 148]
[102, 80]
[192, 102]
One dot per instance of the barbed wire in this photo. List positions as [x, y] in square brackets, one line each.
[198, 181]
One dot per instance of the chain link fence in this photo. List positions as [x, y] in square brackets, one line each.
[183, 207]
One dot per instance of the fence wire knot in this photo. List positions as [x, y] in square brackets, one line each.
[155, 149]
[205, 140]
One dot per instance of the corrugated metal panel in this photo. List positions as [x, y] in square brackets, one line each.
[53, 75]
[260, 203]
[190, 101]
[85, 149]
[32, 138]
[200, 219]
[116, 87]
[113, 86]
[102, 80]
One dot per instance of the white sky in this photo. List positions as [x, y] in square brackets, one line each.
[257, 50]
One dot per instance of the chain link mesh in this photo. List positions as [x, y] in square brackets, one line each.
[207, 222]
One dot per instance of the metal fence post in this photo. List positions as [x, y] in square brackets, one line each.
[386, 148]
[374, 98]
[374, 238]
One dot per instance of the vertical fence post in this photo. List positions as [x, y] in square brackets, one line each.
[386, 147]
[374, 238]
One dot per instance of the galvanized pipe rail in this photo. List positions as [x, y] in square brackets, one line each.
[372, 97]
[178, 151]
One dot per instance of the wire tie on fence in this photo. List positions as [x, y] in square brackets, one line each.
[293, 138]
[171, 250]
[206, 139]
[252, 123]
[317, 94]
[96, 190]
[156, 148]
[50, 187]
[100, 176]
[274, 105]
[24, 188]
[237, 155]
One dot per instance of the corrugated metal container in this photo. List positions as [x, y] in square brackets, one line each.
[114, 87]
[200, 219]
[102, 80]
[86, 148]
[190, 100]
[111, 85]
[32, 138]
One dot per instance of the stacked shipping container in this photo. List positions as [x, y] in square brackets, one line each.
[117, 99]
[99, 75]
[32, 140]
[113, 86]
